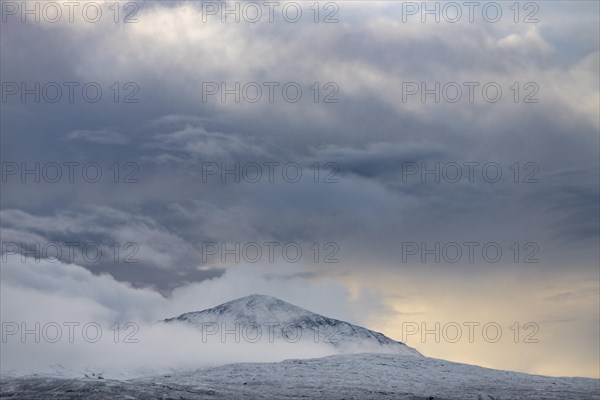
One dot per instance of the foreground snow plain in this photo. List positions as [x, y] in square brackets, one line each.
[351, 376]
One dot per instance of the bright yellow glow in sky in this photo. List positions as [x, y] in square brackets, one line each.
[563, 316]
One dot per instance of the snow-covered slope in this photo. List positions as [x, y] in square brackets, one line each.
[350, 376]
[266, 318]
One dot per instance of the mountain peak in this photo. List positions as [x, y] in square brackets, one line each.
[259, 301]
[258, 310]
[257, 298]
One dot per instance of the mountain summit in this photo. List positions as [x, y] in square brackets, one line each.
[276, 320]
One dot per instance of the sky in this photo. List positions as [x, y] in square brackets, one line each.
[359, 159]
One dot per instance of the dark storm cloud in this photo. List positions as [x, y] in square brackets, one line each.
[130, 247]
[570, 202]
[103, 136]
[370, 136]
[377, 158]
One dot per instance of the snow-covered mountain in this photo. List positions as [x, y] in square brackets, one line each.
[401, 373]
[265, 318]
